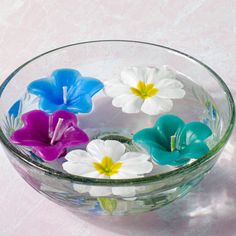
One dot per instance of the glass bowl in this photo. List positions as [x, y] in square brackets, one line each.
[104, 59]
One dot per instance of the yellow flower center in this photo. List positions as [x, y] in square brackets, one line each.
[144, 90]
[107, 166]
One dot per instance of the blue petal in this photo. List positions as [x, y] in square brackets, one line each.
[195, 150]
[14, 110]
[82, 104]
[50, 106]
[85, 85]
[191, 132]
[44, 88]
[79, 91]
[167, 126]
[65, 77]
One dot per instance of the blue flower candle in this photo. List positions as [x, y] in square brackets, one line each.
[66, 89]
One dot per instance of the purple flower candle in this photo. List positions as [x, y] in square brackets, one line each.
[49, 134]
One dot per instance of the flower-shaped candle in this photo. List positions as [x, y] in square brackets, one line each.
[145, 89]
[49, 135]
[172, 142]
[107, 159]
[67, 90]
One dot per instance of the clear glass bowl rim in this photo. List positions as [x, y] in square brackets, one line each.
[126, 182]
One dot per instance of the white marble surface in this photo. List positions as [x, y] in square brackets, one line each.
[205, 29]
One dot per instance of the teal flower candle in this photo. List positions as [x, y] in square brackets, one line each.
[172, 142]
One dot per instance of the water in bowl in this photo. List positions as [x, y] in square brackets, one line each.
[109, 123]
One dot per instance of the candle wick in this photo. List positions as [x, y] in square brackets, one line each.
[50, 131]
[65, 94]
[56, 131]
[172, 143]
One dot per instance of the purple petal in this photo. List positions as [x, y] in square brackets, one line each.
[26, 138]
[35, 130]
[49, 153]
[68, 117]
[74, 137]
[32, 118]
[38, 126]
[69, 120]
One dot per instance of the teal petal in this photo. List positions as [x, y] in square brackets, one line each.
[167, 126]
[163, 157]
[191, 132]
[189, 140]
[195, 150]
[148, 138]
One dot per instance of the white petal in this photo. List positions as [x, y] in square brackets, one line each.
[155, 105]
[138, 168]
[166, 73]
[152, 75]
[135, 163]
[121, 100]
[116, 89]
[77, 155]
[100, 191]
[131, 76]
[114, 149]
[129, 103]
[124, 191]
[171, 93]
[81, 188]
[96, 148]
[169, 84]
[133, 105]
[82, 169]
[79, 163]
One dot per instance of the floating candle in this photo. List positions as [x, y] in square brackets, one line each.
[66, 89]
[49, 135]
[172, 142]
[107, 160]
[145, 89]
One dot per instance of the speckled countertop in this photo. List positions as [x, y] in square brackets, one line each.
[205, 29]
